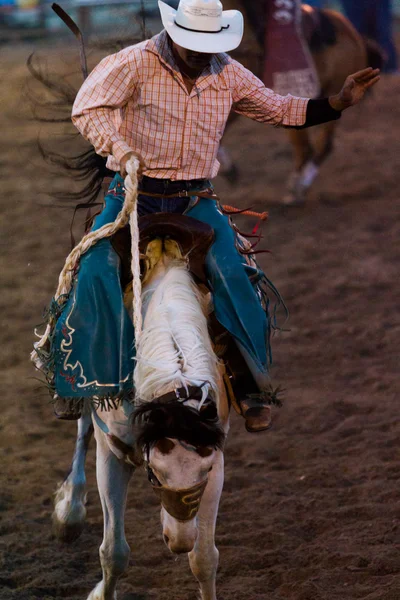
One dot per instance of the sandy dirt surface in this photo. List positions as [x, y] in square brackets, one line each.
[310, 510]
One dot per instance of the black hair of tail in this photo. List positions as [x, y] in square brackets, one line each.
[84, 166]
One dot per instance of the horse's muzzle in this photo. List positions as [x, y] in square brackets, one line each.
[183, 505]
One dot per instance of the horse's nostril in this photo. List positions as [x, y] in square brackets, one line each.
[166, 539]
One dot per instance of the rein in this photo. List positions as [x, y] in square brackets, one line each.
[193, 392]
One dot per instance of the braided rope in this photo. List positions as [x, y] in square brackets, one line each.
[128, 212]
[251, 213]
[131, 180]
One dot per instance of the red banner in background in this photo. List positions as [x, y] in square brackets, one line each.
[289, 67]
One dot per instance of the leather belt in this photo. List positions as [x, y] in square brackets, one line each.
[206, 193]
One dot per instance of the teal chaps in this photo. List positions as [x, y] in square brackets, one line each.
[92, 344]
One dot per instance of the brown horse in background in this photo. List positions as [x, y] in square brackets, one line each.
[337, 49]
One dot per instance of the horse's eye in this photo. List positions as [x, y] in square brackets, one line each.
[154, 481]
[152, 478]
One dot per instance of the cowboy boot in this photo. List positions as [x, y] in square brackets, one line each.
[243, 391]
[256, 412]
[256, 408]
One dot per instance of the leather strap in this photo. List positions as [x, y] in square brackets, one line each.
[193, 393]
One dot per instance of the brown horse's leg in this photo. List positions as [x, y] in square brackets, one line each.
[308, 160]
[323, 143]
[303, 155]
[302, 148]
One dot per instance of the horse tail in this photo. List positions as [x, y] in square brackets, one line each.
[84, 166]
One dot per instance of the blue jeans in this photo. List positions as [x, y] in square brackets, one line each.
[93, 343]
[373, 19]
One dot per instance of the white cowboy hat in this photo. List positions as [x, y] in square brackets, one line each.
[202, 25]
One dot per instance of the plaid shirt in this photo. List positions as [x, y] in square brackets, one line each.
[137, 100]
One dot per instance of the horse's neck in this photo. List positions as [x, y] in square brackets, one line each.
[175, 349]
[116, 422]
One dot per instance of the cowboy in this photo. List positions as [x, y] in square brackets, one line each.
[166, 101]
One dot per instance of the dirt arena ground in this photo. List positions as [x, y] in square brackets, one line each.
[310, 510]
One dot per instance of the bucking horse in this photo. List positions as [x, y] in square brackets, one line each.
[177, 422]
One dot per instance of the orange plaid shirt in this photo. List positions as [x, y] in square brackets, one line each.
[137, 100]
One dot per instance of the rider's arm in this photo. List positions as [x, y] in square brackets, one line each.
[252, 99]
[109, 87]
[319, 111]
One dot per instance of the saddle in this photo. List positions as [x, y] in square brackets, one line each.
[318, 29]
[194, 239]
[316, 26]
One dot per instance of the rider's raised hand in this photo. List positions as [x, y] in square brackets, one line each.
[354, 88]
[125, 159]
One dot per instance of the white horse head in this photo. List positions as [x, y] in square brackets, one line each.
[179, 476]
[181, 447]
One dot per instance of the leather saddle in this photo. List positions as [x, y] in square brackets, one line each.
[317, 28]
[193, 237]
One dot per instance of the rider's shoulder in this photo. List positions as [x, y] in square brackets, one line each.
[231, 69]
[132, 56]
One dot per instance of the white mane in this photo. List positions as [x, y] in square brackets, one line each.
[175, 348]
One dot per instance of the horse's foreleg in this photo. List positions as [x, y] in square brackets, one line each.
[113, 476]
[301, 178]
[69, 507]
[204, 556]
[323, 145]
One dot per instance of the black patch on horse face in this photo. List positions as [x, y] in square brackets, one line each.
[154, 421]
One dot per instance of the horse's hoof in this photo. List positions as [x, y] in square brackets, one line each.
[66, 532]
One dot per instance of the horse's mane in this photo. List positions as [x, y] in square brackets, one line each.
[175, 350]
[155, 421]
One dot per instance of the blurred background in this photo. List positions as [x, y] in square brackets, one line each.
[34, 19]
[310, 510]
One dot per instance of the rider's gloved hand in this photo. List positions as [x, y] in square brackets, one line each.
[125, 159]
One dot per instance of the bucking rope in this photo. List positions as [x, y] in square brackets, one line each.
[128, 213]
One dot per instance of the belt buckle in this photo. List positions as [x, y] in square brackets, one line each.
[183, 194]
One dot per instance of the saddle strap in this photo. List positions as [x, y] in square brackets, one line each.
[193, 392]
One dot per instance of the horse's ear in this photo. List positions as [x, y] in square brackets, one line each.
[165, 446]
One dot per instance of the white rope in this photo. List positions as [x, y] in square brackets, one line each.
[128, 212]
[131, 190]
